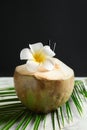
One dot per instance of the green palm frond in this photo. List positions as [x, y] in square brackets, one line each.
[37, 121]
[58, 119]
[14, 114]
[53, 119]
[27, 119]
[68, 111]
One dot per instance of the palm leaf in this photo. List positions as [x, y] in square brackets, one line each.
[12, 112]
[25, 116]
[37, 122]
[53, 119]
[62, 115]
[58, 119]
[68, 111]
[27, 119]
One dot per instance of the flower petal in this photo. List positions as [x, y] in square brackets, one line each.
[32, 66]
[25, 54]
[48, 64]
[36, 47]
[47, 50]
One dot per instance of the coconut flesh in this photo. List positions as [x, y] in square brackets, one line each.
[44, 91]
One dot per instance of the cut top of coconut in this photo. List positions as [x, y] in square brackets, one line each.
[60, 71]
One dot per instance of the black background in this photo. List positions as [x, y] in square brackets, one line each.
[24, 22]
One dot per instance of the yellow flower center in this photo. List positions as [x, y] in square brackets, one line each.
[39, 57]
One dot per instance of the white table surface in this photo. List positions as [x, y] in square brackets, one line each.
[79, 123]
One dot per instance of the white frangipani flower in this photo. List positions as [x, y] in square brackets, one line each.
[38, 55]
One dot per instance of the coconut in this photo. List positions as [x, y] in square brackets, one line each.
[44, 91]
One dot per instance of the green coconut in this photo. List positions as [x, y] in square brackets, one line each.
[44, 91]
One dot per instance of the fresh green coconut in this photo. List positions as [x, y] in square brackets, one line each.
[43, 91]
[44, 83]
